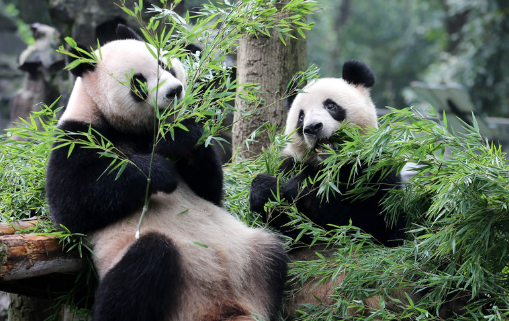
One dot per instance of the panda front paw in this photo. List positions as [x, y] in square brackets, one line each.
[182, 143]
[164, 177]
[263, 187]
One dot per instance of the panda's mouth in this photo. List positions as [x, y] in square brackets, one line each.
[322, 144]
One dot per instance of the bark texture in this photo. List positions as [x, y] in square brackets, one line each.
[268, 62]
[29, 255]
[35, 265]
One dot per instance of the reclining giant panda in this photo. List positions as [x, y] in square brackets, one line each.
[193, 260]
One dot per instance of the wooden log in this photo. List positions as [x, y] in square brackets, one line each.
[11, 228]
[30, 255]
[35, 265]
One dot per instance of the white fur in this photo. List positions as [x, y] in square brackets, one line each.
[355, 100]
[101, 92]
[222, 270]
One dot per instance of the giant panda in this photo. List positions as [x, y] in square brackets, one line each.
[313, 116]
[193, 260]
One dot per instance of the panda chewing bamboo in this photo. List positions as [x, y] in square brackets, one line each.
[314, 115]
[193, 260]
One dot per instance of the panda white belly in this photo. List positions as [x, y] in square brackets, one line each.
[223, 260]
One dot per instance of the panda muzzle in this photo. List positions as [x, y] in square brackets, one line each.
[322, 144]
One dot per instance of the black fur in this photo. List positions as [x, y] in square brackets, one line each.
[337, 112]
[291, 93]
[365, 214]
[357, 73]
[274, 277]
[124, 33]
[300, 123]
[144, 285]
[193, 48]
[83, 202]
[165, 67]
[199, 166]
[138, 91]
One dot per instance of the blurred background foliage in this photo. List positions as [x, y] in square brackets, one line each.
[434, 41]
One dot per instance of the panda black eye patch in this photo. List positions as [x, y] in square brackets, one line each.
[165, 67]
[336, 111]
[300, 123]
[139, 90]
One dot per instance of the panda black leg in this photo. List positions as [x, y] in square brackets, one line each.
[270, 270]
[144, 285]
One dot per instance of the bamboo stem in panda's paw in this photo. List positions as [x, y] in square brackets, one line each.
[137, 235]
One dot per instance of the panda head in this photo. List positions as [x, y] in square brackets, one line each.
[111, 88]
[323, 105]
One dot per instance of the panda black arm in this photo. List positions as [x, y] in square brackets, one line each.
[199, 166]
[264, 186]
[295, 190]
[203, 173]
[84, 197]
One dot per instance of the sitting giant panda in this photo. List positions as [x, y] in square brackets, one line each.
[313, 116]
[193, 261]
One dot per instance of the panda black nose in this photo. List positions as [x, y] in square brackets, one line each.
[174, 92]
[313, 129]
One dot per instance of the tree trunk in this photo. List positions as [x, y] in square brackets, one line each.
[268, 62]
[26, 256]
[454, 25]
[342, 15]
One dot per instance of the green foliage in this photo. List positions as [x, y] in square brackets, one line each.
[392, 37]
[23, 166]
[23, 28]
[476, 62]
[457, 199]
[433, 41]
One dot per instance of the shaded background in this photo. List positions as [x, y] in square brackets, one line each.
[436, 42]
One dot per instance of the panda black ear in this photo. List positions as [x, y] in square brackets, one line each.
[357, 73]
[124, 33]
[291, 93]
[82, 68]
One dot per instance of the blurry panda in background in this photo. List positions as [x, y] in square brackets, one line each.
[193, 260]
[313, 116]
